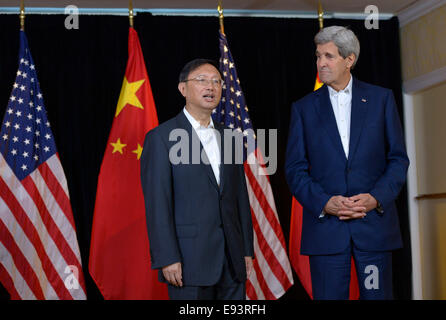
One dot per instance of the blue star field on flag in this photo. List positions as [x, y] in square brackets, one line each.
[232, 111]
[26, 140]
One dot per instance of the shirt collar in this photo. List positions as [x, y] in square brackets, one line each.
[195, 124]
[346, 90]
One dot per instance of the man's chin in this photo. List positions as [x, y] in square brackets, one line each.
[210, 106]
[326, 81]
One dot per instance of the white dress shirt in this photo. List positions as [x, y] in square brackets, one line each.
[208, 139]
[341, 101]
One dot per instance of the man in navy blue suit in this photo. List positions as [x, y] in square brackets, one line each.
[197, 207]
[346, 163]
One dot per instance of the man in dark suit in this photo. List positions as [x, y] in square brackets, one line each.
[197, 207]
[346, 163]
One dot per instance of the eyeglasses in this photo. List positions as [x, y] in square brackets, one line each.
[205, 82]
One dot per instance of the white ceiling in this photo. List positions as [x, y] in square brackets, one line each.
[345, 6]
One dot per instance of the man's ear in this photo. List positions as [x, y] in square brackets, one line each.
[182, 88]
[350, 60]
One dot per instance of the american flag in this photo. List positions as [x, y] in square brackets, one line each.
[39, 253]
[272, 274]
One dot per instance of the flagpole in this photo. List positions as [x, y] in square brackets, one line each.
[320, 14]
[220, 13]
[131, 13]
[22, 16]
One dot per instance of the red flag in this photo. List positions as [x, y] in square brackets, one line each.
[119, 250]
[301, 263]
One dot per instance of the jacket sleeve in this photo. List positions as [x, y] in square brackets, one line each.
[156, 180]
[390, 183]
[309, 193]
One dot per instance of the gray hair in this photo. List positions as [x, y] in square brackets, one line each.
[343, 38]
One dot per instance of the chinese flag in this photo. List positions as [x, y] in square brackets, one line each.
[119, 251]
[300, 263]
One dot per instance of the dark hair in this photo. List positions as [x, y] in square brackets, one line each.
[194, 64]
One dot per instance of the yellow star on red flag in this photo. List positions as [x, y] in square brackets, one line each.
[138, 151]
[118, 146]
[128, 95]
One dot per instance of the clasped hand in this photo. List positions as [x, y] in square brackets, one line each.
[347, 208]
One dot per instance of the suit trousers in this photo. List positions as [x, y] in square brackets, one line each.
[225, 289]
[330, 274]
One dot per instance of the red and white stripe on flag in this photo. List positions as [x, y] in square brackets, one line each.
[39, 253]
[272, 274]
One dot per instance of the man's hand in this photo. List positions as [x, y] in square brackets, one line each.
[344, 208]
[365, 200]
[249, 266]
[173, 274]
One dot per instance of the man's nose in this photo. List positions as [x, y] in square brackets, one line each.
[322, 62]
[209, 85]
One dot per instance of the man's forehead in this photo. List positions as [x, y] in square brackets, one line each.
[328, 47]
[205, 69]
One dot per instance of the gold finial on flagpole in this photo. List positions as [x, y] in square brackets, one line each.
[22, 15]
[131, 13]
[220, 16]
[320, 14]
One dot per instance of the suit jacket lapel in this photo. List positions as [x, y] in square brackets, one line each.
[326, 114]
[184, 123]
[358, 115]
[221, 144]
